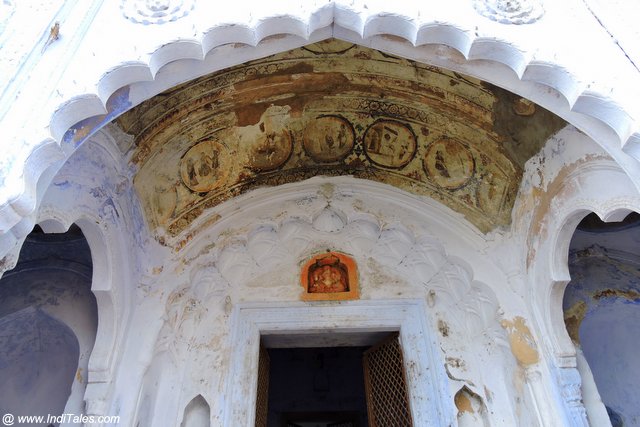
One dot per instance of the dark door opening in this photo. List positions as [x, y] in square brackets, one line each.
[345, 386]
[316, 387]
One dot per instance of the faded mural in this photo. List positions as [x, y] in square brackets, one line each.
[331, 108]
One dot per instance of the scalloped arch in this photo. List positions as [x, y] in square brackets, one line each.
[108, 250]
[552, 270]
[420, 257]
[598, 115]
[615, 211]
[102, 358]
[268, 246]
[560, 265]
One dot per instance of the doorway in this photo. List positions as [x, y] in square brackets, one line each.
[344, 386]
[360, 323]
[316, 387]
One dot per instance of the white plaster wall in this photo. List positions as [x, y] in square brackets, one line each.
[177, 342]
[406, 247]
[108, 57]
[263, 236]
[196, 414]
[561, 185]
[93, 191]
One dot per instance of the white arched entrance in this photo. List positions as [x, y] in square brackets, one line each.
[489, 297]
[101, 81]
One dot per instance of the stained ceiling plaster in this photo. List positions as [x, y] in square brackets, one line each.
[333, 108]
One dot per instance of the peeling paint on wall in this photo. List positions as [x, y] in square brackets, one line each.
[629, 294]
[463, 403]
[521, 340]
[573, 318]
[542, 196]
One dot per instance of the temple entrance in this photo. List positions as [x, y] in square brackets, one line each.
[352, 324]
[316, 387]
[357, 384]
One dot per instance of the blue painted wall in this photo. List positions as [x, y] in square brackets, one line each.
[603, 298]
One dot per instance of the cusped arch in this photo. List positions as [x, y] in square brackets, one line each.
[106, 255]
[266, 247]
[253, 254]
[611, 199]
[99, 217]
[302, 218]
[615, 211]
[560, 263]
[473, 48]
[399, 32]
[578, 181]
[411, 245]
[577, 381]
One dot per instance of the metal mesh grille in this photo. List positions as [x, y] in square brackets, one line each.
[385, 384]
[262, 397]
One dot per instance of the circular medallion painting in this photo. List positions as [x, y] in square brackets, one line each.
[448, 163]
[202, 167]
[390, 144]
[328, 139]
[493, 189]
[271, 152]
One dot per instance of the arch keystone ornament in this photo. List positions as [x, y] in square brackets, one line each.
[329, 276]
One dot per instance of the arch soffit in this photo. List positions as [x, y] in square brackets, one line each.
[482, 57]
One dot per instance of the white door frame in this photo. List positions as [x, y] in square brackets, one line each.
[427, 380]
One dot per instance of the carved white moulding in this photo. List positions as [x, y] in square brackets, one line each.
[329, 220]
[155, 11]
[510, 11]
[571, 390]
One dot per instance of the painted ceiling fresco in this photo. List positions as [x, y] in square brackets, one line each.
[333, 108]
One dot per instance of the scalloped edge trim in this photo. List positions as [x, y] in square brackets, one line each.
[341, 22]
